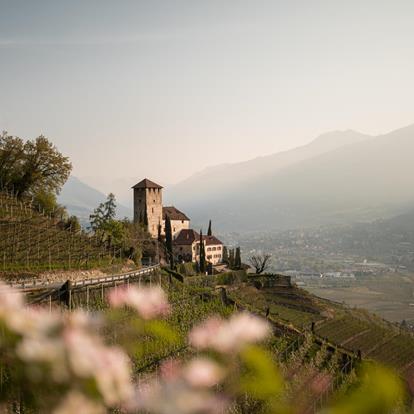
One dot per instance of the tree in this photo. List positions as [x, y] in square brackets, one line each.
[209, 232]
[146, 219]
[231, 258]
[46, 201]
[169, 241]
[260, 262]
[103, 221]
[225, 255]
[202, 254]
[72, 224]
[237, 259]
[32, 166]
[159, 238]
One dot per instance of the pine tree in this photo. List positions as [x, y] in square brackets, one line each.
[202, 255]
[209, 232]
[237, 259]
[168, 241]
[225, 255]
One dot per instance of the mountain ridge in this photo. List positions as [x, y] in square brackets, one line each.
[341, 180]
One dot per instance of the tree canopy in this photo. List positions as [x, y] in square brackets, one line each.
[32, 166]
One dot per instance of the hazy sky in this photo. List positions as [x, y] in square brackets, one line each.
[164, 88]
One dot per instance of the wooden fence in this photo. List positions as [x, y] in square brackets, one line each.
[44, 291]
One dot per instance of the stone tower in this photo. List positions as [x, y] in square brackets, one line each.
[148, 202]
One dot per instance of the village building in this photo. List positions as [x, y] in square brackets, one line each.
[186, 247]
[149, 209]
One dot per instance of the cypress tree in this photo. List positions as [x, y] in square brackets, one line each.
[146, 219]
[209, 232]
[237, 259]
[168, 241]
[202, 254]
[225, 255]
[159, 232]
[231, 258]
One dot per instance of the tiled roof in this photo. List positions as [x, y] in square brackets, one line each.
[145, 183]
[211, 240]
[173, 214]
[187, 237]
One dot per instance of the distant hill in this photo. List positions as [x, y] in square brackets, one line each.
[80, 199]
[339, 177]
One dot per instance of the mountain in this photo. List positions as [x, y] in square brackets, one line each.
[339, 177]
[217, 180]
[80, 199]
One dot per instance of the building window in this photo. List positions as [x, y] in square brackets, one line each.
[214, 249]
[209, 257]
[219, 248]
[153, 209]
[182, 221]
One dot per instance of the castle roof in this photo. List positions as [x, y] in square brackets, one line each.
[173, 213]
[211, 240]
[186, 237]
[145, 183]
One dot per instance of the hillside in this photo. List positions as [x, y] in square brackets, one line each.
[30, 241]
[351, 330]
[363, 180]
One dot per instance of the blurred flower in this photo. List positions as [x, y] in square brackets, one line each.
[9, 298]
[229, 335]
[109, 366]
[178, 397]
[170, 369]
[76, 403]
[148, 302]
[203, 372]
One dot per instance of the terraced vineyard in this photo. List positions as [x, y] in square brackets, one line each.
[339, 331]
[397, 352]
[351, 330]
[32, 241]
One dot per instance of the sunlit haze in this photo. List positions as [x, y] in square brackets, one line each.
[165, 88]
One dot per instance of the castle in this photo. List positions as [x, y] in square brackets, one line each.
[149, 209]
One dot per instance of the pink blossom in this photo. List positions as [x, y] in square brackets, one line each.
[203, 372]
[10, 298]
[178, 397]
[109, 366]
[229, 335]
[148, 302]
[76, 403]
[170, 369]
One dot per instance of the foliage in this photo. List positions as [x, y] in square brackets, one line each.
[103, 214]
[202, 260]
[225, 255]
[169, 241]
[209, 231]
[237, 259]
[46, 201]
[32, 166]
